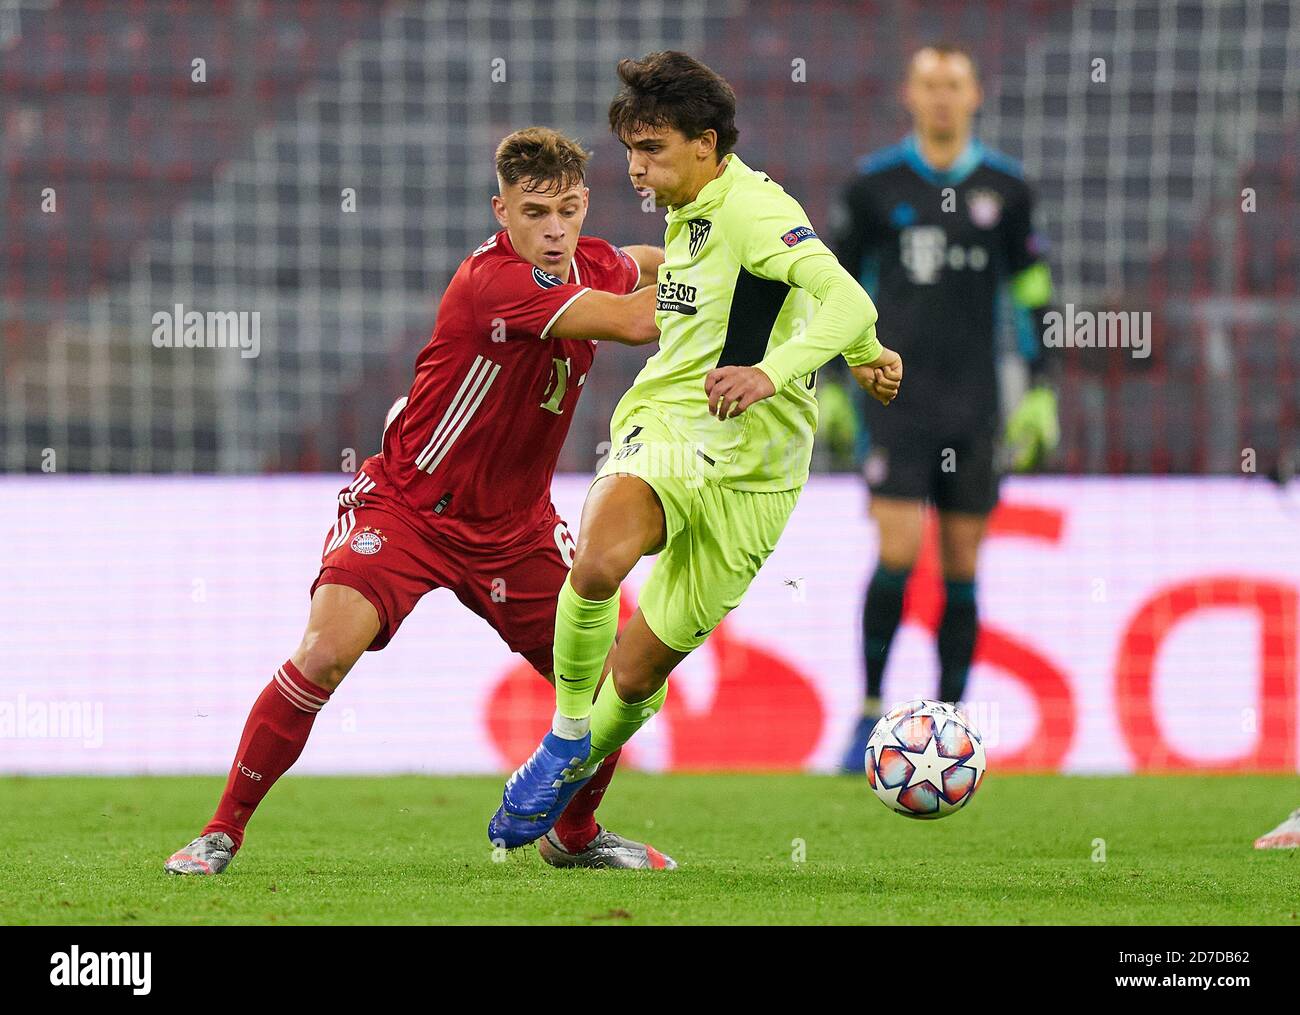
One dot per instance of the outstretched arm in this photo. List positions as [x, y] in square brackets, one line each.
[605, 317]
[845, 320]
[647, 260]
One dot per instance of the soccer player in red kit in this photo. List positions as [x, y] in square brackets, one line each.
[460, 496]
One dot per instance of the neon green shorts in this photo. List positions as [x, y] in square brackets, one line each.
[718, 538]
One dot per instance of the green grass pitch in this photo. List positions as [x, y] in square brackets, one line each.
[752, 849]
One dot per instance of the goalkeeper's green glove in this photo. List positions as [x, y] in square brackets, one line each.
[1033, 430]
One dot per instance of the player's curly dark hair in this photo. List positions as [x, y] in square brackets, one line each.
[672, 89]
[541, 159]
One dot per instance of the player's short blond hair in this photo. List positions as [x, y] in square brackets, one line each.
[541, 159]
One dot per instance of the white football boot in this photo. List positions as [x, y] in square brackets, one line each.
[208, 854]
[1284, 836]
[607, 850]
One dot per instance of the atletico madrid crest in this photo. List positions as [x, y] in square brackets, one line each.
[699, 234]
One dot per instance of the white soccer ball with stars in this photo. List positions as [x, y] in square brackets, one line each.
[924, 759]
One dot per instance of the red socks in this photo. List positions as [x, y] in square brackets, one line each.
[274, 736]
[577, 825]
[276, 732]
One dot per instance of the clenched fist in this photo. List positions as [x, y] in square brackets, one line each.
[881, 378]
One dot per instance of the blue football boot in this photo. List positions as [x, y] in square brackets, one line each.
[855, 757]
[536, 795]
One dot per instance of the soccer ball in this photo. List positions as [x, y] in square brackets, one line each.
[924, 759]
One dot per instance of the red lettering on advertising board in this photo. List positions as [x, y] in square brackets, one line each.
[1275, 721]
[1049, 742]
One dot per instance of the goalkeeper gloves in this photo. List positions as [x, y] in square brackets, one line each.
[1033, 430]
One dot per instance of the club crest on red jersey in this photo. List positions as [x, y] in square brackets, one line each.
[369, 541]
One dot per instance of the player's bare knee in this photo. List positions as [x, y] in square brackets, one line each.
[320, 661]
[959, 547]
[900, 526]
[963, 571]
[899, 550]
[899, 558]
[597, 576]
[958, 560]
[637, 683]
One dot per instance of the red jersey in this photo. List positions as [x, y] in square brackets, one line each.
[473, 451]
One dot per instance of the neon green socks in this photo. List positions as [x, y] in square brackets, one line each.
[613, 720]
[584, 631]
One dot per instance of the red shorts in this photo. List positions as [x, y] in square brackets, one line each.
[380, 549]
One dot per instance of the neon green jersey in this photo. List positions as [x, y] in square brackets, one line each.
[730, 293]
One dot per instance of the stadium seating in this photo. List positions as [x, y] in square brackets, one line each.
[228, 194]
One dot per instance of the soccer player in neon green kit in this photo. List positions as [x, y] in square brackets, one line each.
[712, 442]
